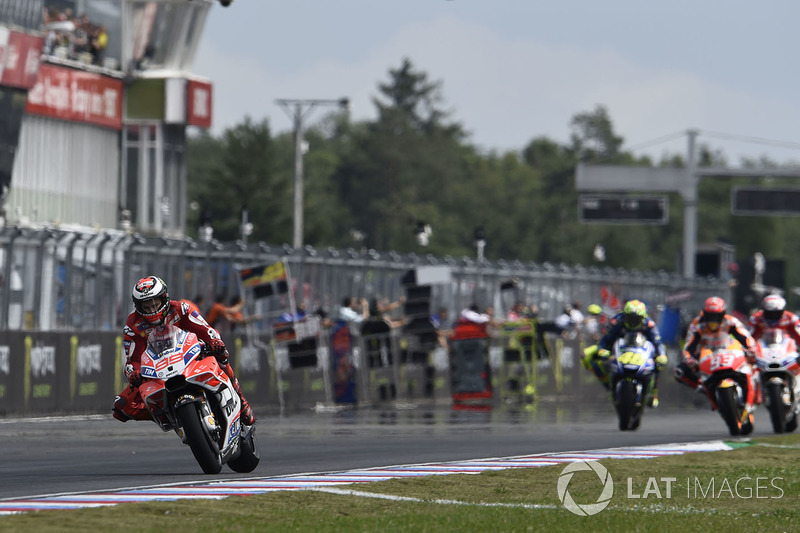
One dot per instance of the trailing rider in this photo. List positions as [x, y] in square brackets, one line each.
[632, 318]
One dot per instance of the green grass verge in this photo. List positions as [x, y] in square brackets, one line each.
[703, 496]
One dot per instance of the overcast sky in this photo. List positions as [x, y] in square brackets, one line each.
[513, 70]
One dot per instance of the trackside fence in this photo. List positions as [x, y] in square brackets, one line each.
[64, 296]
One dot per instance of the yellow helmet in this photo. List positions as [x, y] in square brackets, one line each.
[634, 314]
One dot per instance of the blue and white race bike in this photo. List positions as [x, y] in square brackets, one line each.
[632, 369]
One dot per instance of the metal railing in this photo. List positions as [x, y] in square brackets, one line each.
[55, 279]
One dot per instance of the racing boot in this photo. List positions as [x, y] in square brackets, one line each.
[595, 360]
[588, 356]
[128, 405]
[652, 400]
[247, 412]
[661, 362]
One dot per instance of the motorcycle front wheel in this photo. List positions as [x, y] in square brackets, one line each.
[726, 403]
[627, 410]
[204, 448]
[777, 411]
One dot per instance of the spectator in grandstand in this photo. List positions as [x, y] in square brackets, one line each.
[80, 37]
[98, 44]
[381, 310]
[516, 313]
[594, 325]
[472, 323]
[299, 314]
[354, 310]
[218, 311]
[441, 321]
[236, 314]
[541, 327]
[576, 314]
[385, 306]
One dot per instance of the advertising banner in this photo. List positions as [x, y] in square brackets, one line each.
[19, 58]
[92, 363]
[78, 96]
[199, 103]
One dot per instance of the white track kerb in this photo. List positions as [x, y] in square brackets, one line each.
[332, 481]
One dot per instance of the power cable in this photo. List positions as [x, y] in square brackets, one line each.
[754, 140]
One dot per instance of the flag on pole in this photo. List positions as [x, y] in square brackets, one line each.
[266, 280]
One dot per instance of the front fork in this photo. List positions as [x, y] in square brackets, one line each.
[206, 415]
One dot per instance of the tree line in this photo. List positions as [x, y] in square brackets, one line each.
[369, 184]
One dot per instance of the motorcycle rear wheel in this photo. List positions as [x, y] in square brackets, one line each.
[204, 448]
[726, 403]
[776, 408]
[249, 454]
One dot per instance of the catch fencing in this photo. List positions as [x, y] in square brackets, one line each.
[65, 295]
[58, 280]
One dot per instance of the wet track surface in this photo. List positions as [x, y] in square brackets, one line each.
[82, 453]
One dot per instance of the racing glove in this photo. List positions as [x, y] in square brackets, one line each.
[135, 378]
[217, 348]
[691, 362]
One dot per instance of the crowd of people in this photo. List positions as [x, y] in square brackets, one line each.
[70, 36]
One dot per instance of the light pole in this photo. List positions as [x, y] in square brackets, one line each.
[297, 110]
[480, 242]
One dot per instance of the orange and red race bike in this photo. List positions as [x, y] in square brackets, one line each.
[186, 391]
[730, 384]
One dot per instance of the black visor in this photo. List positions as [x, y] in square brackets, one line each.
[713, 317]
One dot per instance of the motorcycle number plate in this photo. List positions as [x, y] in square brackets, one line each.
[632, 358]
[721, 360]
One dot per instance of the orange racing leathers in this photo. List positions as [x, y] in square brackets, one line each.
[700, 335]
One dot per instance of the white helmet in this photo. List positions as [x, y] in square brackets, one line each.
[151, 288]
[773, 306]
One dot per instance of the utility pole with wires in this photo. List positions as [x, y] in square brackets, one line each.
[297, 110]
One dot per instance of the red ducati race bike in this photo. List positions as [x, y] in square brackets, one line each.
[780, 378]
[186, 391]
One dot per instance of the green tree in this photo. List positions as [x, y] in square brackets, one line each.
[242, 175]
[399, 165]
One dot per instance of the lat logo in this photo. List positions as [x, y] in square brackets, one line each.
[588, 509]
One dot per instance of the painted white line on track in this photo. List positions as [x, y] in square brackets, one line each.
[221, 488]
[379, 496]
[360, 494]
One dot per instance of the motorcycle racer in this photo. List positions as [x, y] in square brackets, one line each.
[773, 315]
[153, 308]
[711, 329]
[632, 318]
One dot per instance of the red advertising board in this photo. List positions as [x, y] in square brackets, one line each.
[75, 95]
[199, 103]
[19, 58]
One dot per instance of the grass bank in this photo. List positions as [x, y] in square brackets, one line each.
[755, 486]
